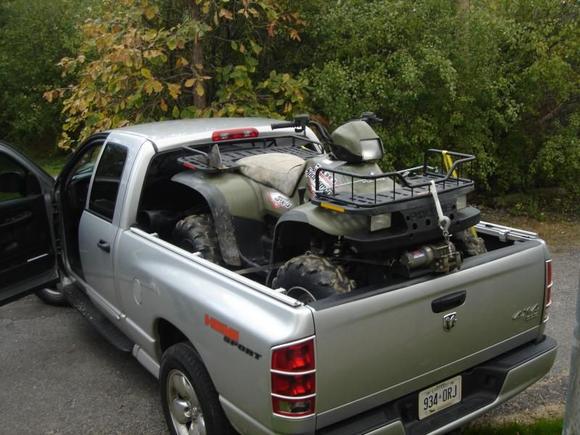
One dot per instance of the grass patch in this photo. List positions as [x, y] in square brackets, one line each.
[541, 427]
[52, 164]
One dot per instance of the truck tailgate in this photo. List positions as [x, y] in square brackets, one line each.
[374, 349]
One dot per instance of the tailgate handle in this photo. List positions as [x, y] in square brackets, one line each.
[448, 302]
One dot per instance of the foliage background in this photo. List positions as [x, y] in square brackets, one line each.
[495, 77]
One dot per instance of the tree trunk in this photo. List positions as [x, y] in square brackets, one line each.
[197, 61]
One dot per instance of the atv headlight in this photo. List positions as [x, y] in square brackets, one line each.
[461, 202]
[380, 222]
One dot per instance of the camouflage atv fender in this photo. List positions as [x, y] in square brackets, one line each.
[220, 212]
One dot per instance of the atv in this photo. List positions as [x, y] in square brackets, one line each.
[315, 216]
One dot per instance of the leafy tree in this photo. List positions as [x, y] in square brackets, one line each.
[498, 78]
[34, 36]
[141, 60]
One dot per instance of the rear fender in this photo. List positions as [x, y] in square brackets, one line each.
[220, 212]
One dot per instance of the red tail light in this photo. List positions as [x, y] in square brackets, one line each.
[548, 289]
[234, 133]
[293, 386]
[294, 379]
[294, 357]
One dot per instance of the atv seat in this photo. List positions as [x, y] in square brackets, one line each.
[277, 170]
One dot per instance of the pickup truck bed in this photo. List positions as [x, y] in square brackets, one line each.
[375, 348]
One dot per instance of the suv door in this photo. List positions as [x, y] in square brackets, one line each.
[27, 248]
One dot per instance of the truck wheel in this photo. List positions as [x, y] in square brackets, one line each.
[309, 278]
[52, 296]
[190, 401]
[196, 233]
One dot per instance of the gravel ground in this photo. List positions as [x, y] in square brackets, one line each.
[57, 375]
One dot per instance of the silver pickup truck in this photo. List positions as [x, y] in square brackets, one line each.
[148, 232]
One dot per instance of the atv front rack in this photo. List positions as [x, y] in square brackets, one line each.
[383, 191]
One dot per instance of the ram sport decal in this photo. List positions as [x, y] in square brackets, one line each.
[231, 335]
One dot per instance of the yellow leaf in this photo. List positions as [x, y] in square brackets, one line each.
[181, 62]
[294, 35]
[149, 54]
[174, 90]
[226, 14]
[163, 105]
[189, 83]
[146, 73]
[157, 86]
[150, 12]
[49, 96]
[199, 89]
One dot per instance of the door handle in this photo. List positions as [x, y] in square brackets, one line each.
[448, 302]
[104, 246]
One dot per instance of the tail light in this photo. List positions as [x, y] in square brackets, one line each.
[548, 289]
[294, 378]
[234, 133]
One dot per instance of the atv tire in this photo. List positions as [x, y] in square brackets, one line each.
[309, 278]
[196, 233]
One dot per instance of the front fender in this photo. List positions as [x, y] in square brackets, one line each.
[296, 227]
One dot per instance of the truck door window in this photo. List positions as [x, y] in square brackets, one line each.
[106, 182]
[15, 181]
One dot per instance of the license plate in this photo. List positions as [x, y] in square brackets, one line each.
[439, 397]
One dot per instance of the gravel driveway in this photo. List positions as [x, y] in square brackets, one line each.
[57, 375]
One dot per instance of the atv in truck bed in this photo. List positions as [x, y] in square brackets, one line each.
[283, 204]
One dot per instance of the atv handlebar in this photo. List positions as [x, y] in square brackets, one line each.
[287, 124]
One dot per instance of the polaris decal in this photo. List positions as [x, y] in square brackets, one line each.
[279, 200]
[231, 335]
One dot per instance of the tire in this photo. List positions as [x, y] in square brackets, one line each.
[196, 233]
[310, 277]
[52, 296]
[189, 399]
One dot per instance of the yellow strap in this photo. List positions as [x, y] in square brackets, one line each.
[473, 232]
[448, 162]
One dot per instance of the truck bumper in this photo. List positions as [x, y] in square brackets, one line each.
[484, 387]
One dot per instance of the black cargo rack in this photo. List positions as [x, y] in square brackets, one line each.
[232, 151]
[408, 184]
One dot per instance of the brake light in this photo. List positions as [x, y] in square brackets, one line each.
[234, 133]
[293, 378]
[548, 289]
[297, 357]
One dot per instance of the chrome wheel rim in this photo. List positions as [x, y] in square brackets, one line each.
[184, 408]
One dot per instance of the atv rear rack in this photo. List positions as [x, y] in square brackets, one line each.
[232, 151]
[407, 184]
